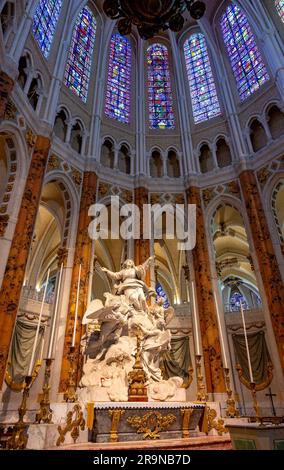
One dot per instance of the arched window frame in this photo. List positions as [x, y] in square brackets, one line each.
[80, 56]
[201, 81]
[249, 74]
[163, 118]
[45, 23]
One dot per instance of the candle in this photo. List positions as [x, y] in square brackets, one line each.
[194, 317]
[38, 327]
[54, 318]
[247, 346]
[221, 333]
[42, 347]
[76, 309]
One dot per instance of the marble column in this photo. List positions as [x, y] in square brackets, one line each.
[141, 246]
[267, 261]
[83, 257]
[206, 305]
[20, 247]
[6, 87]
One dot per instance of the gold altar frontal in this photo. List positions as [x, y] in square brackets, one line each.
[134, 421]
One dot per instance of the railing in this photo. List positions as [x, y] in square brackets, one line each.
[30, 293]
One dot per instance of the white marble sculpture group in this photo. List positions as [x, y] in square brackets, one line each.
[111, 357]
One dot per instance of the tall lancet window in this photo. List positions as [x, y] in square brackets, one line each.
[204, 99]
[44, 23]
[117, 103]
[280, 8]
[246, 61]
[79, 62]
[161, 114]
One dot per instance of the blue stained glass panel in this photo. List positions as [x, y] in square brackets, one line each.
[280, 8]
[204, 99]
[44, 23]
[246, 61]
[117, 102]
[79, 62]
[161, 293]
[161, 115]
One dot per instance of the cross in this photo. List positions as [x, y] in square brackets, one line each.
[271, 395]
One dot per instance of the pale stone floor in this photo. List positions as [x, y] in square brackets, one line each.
[194, 443]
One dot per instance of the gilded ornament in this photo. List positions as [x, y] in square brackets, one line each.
[115, 416]
[77, 177]
[10, 111]
[262, 175]
[213, 423]
[4, 220]
[208, 195]
[234, 189]
[151, 424]
[53, 163]
[30, 139]
[103, 189]
[74, 422]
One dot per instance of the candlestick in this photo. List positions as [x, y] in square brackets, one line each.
[42, 348]
[19, 438]
[38, 327]
[45, 412]
[54, 318]
[247, 346]
[231, 411]
[201, 389]
[221, 333]
[70, 395]
[194, 317]
[76, 309]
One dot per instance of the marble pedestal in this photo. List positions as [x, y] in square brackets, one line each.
[255, 436]
[44, 436]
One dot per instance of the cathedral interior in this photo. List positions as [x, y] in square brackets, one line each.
[93, 107]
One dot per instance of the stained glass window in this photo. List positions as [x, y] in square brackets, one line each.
[161, 293]
[236, 300]
[204, 99]
[44, 23]
[161, 114]
[79, 62]
[117, 103]
[246, 61]
[280, 8]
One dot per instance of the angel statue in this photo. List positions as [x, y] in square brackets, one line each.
[131, 283]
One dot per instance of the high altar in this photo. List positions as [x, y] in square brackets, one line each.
[122, 384]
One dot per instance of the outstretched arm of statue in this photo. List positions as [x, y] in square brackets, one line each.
[112, 275]
[147, 262]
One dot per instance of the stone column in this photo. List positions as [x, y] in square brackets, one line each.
[206, 305]
[141, 246]
[83, 257]
[20, 247]
[267, 261]
[6, 87]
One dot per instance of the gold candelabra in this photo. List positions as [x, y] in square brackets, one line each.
[70, 395]
[231, 411]
[44, 414]
[201, 389]
[19, 438]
